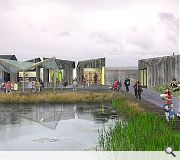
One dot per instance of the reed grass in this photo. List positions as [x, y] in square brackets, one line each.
[141, 132]
[55, 97]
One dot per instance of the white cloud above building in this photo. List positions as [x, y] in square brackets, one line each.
[122, 31]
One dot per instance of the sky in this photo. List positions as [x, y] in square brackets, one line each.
[122, 31]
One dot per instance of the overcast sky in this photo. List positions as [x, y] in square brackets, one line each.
[122, 31]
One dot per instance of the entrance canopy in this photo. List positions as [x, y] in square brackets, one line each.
[12, 66]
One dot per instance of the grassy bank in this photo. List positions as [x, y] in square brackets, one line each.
[55, 97]
[161, 89]
[141, 132]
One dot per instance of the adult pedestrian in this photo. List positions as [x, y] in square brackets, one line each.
[119, 85]
[115, 86]
[83, 81]
[127, 84]
[137, 90]
[37, 86]
[30, 86]
[8, 87]
[75, 84]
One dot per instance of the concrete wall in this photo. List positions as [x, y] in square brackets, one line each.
[112, 74]
[161, 70]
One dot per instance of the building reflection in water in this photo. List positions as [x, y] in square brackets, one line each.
[49, 115]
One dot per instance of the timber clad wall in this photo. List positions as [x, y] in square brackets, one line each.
[120, 73]
[161, 70]
[93, 63]
[67, 67]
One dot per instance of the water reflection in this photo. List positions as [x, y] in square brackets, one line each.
[55, 127]
[50, 115]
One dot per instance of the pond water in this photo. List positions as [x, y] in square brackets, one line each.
[53, 127]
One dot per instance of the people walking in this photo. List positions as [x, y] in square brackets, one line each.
[3, 86]
[168, 106]
[75, 84]
[37, 86]
[30, 86]
[8, 87]
[119, 85]
[115, 87]
[137, 90]
[83, 81]
[42, 85]
[127, 84]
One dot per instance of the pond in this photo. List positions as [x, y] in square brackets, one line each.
[53, 127]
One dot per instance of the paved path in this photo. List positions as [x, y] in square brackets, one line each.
[156, 103]
[154, 97]
[147, 94]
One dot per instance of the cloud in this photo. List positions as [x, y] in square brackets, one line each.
[63, 34]
[30, 26]
[170, 20]
[122, 31]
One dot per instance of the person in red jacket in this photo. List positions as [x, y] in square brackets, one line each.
[168, 97]
[115, 86]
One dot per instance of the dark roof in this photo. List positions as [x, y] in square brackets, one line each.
[62, 63]
[85, 62]
[10, 57]
[152, 61]
[35, 60]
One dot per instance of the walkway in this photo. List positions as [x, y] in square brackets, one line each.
[154, 97]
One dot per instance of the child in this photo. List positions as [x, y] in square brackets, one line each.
[168, 106]
[169, 112]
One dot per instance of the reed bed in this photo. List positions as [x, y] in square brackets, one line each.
[141, 132]
[55, 97]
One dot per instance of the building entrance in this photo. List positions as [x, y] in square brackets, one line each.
[92, 75]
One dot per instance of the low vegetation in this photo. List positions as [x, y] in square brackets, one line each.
[55, 97]
[141, 132]
[161, 89]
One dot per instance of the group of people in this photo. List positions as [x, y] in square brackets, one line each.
[8, 87]
[118, 84]
[137, 87]
[168, 105]
[175, 85]
[36, 86]
[33, 86]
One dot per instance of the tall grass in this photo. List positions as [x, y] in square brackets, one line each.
[141, 132]
[55, 97]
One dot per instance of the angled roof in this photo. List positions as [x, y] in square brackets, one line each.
[11, 57]
[12, 66]
[34, 60]
[62, 63]
[122, 68]
[156, 60]
[86, 62]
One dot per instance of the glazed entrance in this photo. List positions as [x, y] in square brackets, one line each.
[93, 75]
